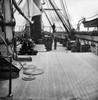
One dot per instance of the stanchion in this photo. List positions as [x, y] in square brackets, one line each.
[10, 96]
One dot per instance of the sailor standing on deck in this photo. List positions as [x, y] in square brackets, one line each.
[55, 43]
[53, 27]
[77, 45]
[55, 39]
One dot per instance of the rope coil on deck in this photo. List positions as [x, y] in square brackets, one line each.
[28, 77]
[29, 72]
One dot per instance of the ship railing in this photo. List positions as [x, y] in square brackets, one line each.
[49, 29]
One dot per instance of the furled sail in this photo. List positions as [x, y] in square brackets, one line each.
[29, 9]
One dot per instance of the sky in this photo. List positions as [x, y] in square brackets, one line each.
[78, 9]
[81, 8]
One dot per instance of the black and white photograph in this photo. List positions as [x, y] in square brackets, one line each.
[48, 49]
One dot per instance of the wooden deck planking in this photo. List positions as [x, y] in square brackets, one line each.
[70, 76]
[81, 75]
[66, 76]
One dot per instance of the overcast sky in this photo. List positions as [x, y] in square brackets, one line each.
[81, 8]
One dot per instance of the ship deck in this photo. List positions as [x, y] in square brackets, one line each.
[67, 76]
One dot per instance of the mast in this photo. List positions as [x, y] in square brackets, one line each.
[28, 24]
[9, 24]
[7, 19]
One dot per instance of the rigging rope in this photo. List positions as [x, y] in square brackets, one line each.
[48, 18]
[58, 15]
[61, 14]
[49, 12]
[64, 5]
[53, 15]
[18, 3]
[64, 20]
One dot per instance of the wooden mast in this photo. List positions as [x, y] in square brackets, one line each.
[8, 30]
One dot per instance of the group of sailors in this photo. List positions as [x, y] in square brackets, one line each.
[73, 45]
[49, 40]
